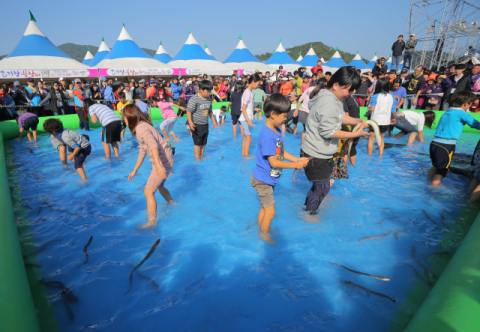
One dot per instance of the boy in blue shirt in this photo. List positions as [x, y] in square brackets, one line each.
[270, 153]
[448, 132]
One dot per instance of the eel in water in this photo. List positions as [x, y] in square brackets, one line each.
[66, 294]
[378, 137]
[85, 251]
[362, 273]
[367, 290]
[42, 248]
[150, 280]
[395, 232]
[413, 252]
[155, 245]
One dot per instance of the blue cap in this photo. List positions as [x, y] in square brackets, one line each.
[103, 78]
[29, 79]
[17, 83]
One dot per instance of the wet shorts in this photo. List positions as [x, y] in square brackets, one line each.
[200, 134]
[383, 129]
[81, 156]
[318, 169]
[154, 182]
[235, 119]
[441, 156]
[30, 123]
[112, 132]
[247, 130]
[257, 105]
[302, 117]
[264, 191]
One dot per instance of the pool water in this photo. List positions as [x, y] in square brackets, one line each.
[211, 271]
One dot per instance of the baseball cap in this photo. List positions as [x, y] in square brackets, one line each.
[77, 80]
[29, 79]
[103, 78]
[189, 82]
[141, 81]
[61, 79]
[404, 71]
[17, 83]
[152, 82]
[284, 79]
[382, 57]
[412, 34]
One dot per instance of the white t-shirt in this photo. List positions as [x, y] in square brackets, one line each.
[247, 99]
[416, 119]
[217, 114]
[385, 105]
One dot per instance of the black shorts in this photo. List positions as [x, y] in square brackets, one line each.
[383, 129]
[353, 150]
[235, 119]
[441, 157]
[30, 123]
[290, 117]
[318, 169]
[200, 134]
[112, 132]
[81, 156]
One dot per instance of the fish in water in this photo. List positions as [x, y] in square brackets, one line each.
[150, 280]
[85, 251]
[429, 218]
[362, 273]
[382, 235]
[221, 159]
[414, 257]
[66, 294]
[367, 290]
[392, 145]
[42, 248]
[155, 245]
[418, 275]
[122, 199]
[376, 129]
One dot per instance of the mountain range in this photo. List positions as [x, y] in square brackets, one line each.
[78, 52]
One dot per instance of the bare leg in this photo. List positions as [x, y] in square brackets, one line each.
[152, 209]
[431, 173]
[371, 139]
[63, 155]
[165, 194]
[268, 215]
[106, 149]
[411, 138]
[29, 136]
[174, 136]
[246, 145]
[241, 130]
[473, 185]
[475, 190]
[261, 213]
[115, 149]
[399, 135]
[295, 129]
[234, 130]
[283, 129]
[437, 179]
[34, 135]
[382, 147]
[198, 152]
[202, 150]
[353, 159]
[166, 134]
[123, 134]
[81, 172]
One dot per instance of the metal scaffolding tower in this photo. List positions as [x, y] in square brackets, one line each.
[453, 27]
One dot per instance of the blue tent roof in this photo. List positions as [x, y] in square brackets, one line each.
[163, 57]
[101, 53]
[125, 47]
[241, 54]
[310, 59]
[280, 56]
[358, 62]
[192, 51]
[34, 42]
[336, 61]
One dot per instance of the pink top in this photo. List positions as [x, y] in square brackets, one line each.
[148, 139]
[305, 86]
[305, 98]
[166, 109]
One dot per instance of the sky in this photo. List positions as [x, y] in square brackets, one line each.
[368, 26]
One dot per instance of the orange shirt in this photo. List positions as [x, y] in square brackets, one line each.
[286, 88]
[150, 92]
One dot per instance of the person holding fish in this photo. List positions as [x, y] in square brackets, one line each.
[150, 142]
[323, 131]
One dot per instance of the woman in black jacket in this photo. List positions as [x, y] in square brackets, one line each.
[58, 101]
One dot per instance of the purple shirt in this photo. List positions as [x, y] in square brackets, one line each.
[23, 117]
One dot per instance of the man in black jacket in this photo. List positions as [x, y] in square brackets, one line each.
[380, 67]
[397, 50]
[460, 82]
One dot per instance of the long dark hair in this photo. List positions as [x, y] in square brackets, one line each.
[134, 116]
[321, 84]
[346, 76]
[429, 118]
[383, 86]
[239, 86]
[152, 101]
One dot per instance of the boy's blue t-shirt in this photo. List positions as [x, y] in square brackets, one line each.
[269, 144]
[451, 124]
[401, 93]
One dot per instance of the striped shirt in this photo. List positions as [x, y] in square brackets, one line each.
[104, 114]
[200, 109]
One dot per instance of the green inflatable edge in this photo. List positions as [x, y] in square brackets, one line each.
[452, 305]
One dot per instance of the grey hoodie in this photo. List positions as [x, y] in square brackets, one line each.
[326, 114]
[410, 46]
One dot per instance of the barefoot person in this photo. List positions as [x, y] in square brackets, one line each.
[247, 113]
[407, 120]
[323, 131]
[161, 156]
[269, 160]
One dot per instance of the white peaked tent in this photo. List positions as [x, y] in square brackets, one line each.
[101, 53]
[162, 55]
[193, 58]
[281, 58]
[209, 53]
[372, 62]
[323, 60]
[389, 62]
[335, 62]
[242, 58]
[126, 54]
[359, 64]
[300, 58]
[35, 51]
[88, 57]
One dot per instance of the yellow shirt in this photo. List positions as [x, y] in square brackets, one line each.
[121, 106]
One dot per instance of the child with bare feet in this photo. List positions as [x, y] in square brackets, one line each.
[269, 160]
[247, 113]
[152, 143]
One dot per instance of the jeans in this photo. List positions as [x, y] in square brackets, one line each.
[408, 103]
[445, 105]
[407, 60]
[396, 62]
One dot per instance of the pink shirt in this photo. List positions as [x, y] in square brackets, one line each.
[148, 139]
[305, 98]
[166, 109]
[305, 86]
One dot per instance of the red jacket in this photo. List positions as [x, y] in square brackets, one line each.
[317, 69]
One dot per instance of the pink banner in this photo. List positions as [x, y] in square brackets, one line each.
[103, 71]
[176, 71]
